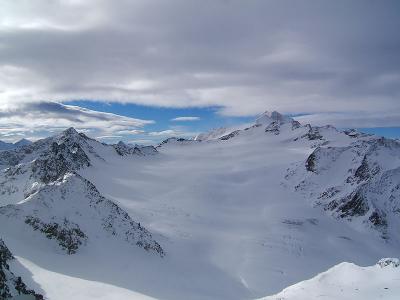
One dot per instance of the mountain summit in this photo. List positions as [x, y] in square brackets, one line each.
[268, 117]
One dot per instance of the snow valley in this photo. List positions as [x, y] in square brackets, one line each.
[275, 209]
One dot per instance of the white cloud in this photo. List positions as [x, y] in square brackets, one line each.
[168, 132]
[133, 131]
[185, 119]
[109, 137]
[43, 118]
[173, 132]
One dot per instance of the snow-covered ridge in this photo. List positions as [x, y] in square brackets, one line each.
[213, 134]
[348, 281]
[359, 182]
[71, 211]
[45, 194]
[123, 149]
[69, 144]
[268, 117]
[352, 175]
[47, 160]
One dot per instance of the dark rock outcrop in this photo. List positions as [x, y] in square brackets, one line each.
[10, 284]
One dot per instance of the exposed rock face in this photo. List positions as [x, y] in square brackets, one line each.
[359, 182]
[60, 159]
[389, 262]
[51, 199]
[123, 149]
[43, 162]
[273, 127]
[353, 205]
[71, 211]
[177, 141]
[10, 284]
[68, 235]
[313, 134]
[230, 135]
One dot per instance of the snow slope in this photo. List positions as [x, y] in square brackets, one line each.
[225, 210]
[348, 281]
[358, 182]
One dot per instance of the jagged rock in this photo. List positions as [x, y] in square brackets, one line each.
[354, 205]
[69, 209]
[10, 284]
[123, 149]
[323, 158]
[57, 202]
[59, 160]
[378, 218]
[68, 235]
[310, 162]
[273, 127]
[389, 262]
[295, 124]
[230, 135]
[177, 141]
[360, 181]
[43, 162]
[313, 134]
[353, 133]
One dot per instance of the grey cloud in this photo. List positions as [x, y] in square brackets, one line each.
[351, 120]
[243, 56]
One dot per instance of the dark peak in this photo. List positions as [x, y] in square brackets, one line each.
[23, 142]
[70, 131]
[5, 254]
[73, 133]
[268, 117]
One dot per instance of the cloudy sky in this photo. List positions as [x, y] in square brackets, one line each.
[145, 69]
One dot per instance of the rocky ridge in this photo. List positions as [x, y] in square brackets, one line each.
[10, 284]
[351, 175]
[42, 190]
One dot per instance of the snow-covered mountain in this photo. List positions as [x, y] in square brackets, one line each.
[358, 181]
[42, 193]
[9, 146]
[237, 213]
[348, 281]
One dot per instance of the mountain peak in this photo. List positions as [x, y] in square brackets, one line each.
[72, 134]
[268, 117]
[70, 131]
[22, 142]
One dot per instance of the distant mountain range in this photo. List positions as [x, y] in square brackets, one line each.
[9, 146]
